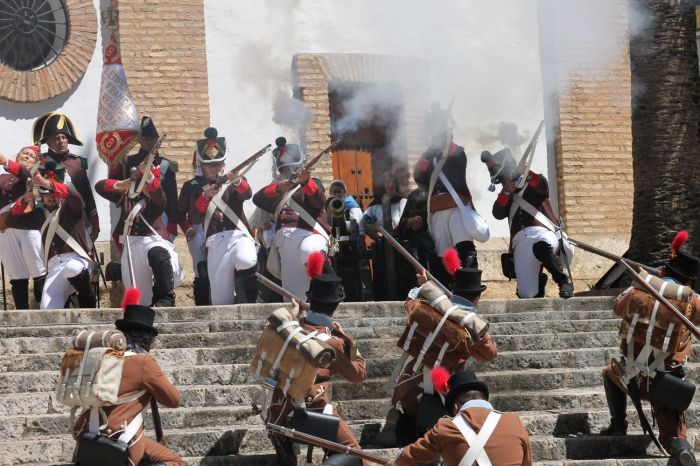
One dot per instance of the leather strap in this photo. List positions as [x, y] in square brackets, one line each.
[477, 442]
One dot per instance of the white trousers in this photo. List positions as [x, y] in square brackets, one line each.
[22, 253]
[295, 245]
[143, 275]
[57, 288]
[228, 251]
[449, 227]
[527, 267]
[196, 246]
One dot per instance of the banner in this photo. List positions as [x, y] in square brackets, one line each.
[117, 119]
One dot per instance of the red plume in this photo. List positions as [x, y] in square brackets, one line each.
[314, 264]
[131, 296]
[678, 241]
[451, 261]
[440, 376]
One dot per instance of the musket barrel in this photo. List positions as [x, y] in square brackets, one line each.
[279, 290]
[323, 443]
[611, 256]
[412, 260]
[691, 326]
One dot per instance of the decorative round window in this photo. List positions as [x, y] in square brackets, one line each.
[45, 47]
[32, 32]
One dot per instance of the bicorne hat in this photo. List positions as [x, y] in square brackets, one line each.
[136, 316]
[212, 148]
[148, 128]
[501, 165]
[52, 123]
[682, 265]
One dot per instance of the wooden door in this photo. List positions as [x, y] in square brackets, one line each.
[354, 167]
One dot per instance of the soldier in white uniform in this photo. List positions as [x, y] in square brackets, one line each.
[231, 250]
[21, 251]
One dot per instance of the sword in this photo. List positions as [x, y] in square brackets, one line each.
[563, 250]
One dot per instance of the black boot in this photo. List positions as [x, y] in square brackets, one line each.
[617, 404]
[681, 450]
[246, 286]
[467, 254]
[201, 286]
[20, 293]
[163, 278]
[86, 295]
[545, 254]
[39, 287]
[542, 285]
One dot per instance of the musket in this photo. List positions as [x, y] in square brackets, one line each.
[528, 155]
[157, 424]
[412, 260]
[323, 443]
[247, 164]
[612, 257]
[309, 165]
[659, 297]
[280, 291]
[4, 291]
[149, 163]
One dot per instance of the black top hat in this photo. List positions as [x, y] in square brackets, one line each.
[52, 123]
[326, 288]
[682, 265]
[212, 148]
[461, 382]
[148, 129]
[467, 281]
[137, 317]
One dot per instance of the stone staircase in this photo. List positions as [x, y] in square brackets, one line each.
[551, 352]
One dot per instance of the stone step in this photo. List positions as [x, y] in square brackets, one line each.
[546, 341]
[559, 423]
[255, 326]
[242, 439]
[257, 311]
[370, 349]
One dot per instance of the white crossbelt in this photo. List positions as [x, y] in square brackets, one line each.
[218, 202]
[54, 229]
[476, 442]
[437, 171]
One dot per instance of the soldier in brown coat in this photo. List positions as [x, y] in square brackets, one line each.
[141, 373]
[325, 293]
[477, 431]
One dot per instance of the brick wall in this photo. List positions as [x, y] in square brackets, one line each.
[589, 115]
[164, 54]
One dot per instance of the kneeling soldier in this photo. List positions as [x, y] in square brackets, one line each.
[141, 374]
[476, 433]
[325, 294]
[61, 221]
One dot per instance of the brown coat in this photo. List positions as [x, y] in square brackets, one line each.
[141, 372]
[76, 168]
[407, 389]
[346, 365]
[509, 444]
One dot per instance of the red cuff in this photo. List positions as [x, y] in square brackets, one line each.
[534, 180]
[172, 228]
[310, 188]
[270, 190]
[423, 165]
[202, 204]
[154, 185]
[503, 199]
[185, 225]
[60, 189]
[108, 185]
[242, 186]
[18, 208]
[13, 168]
